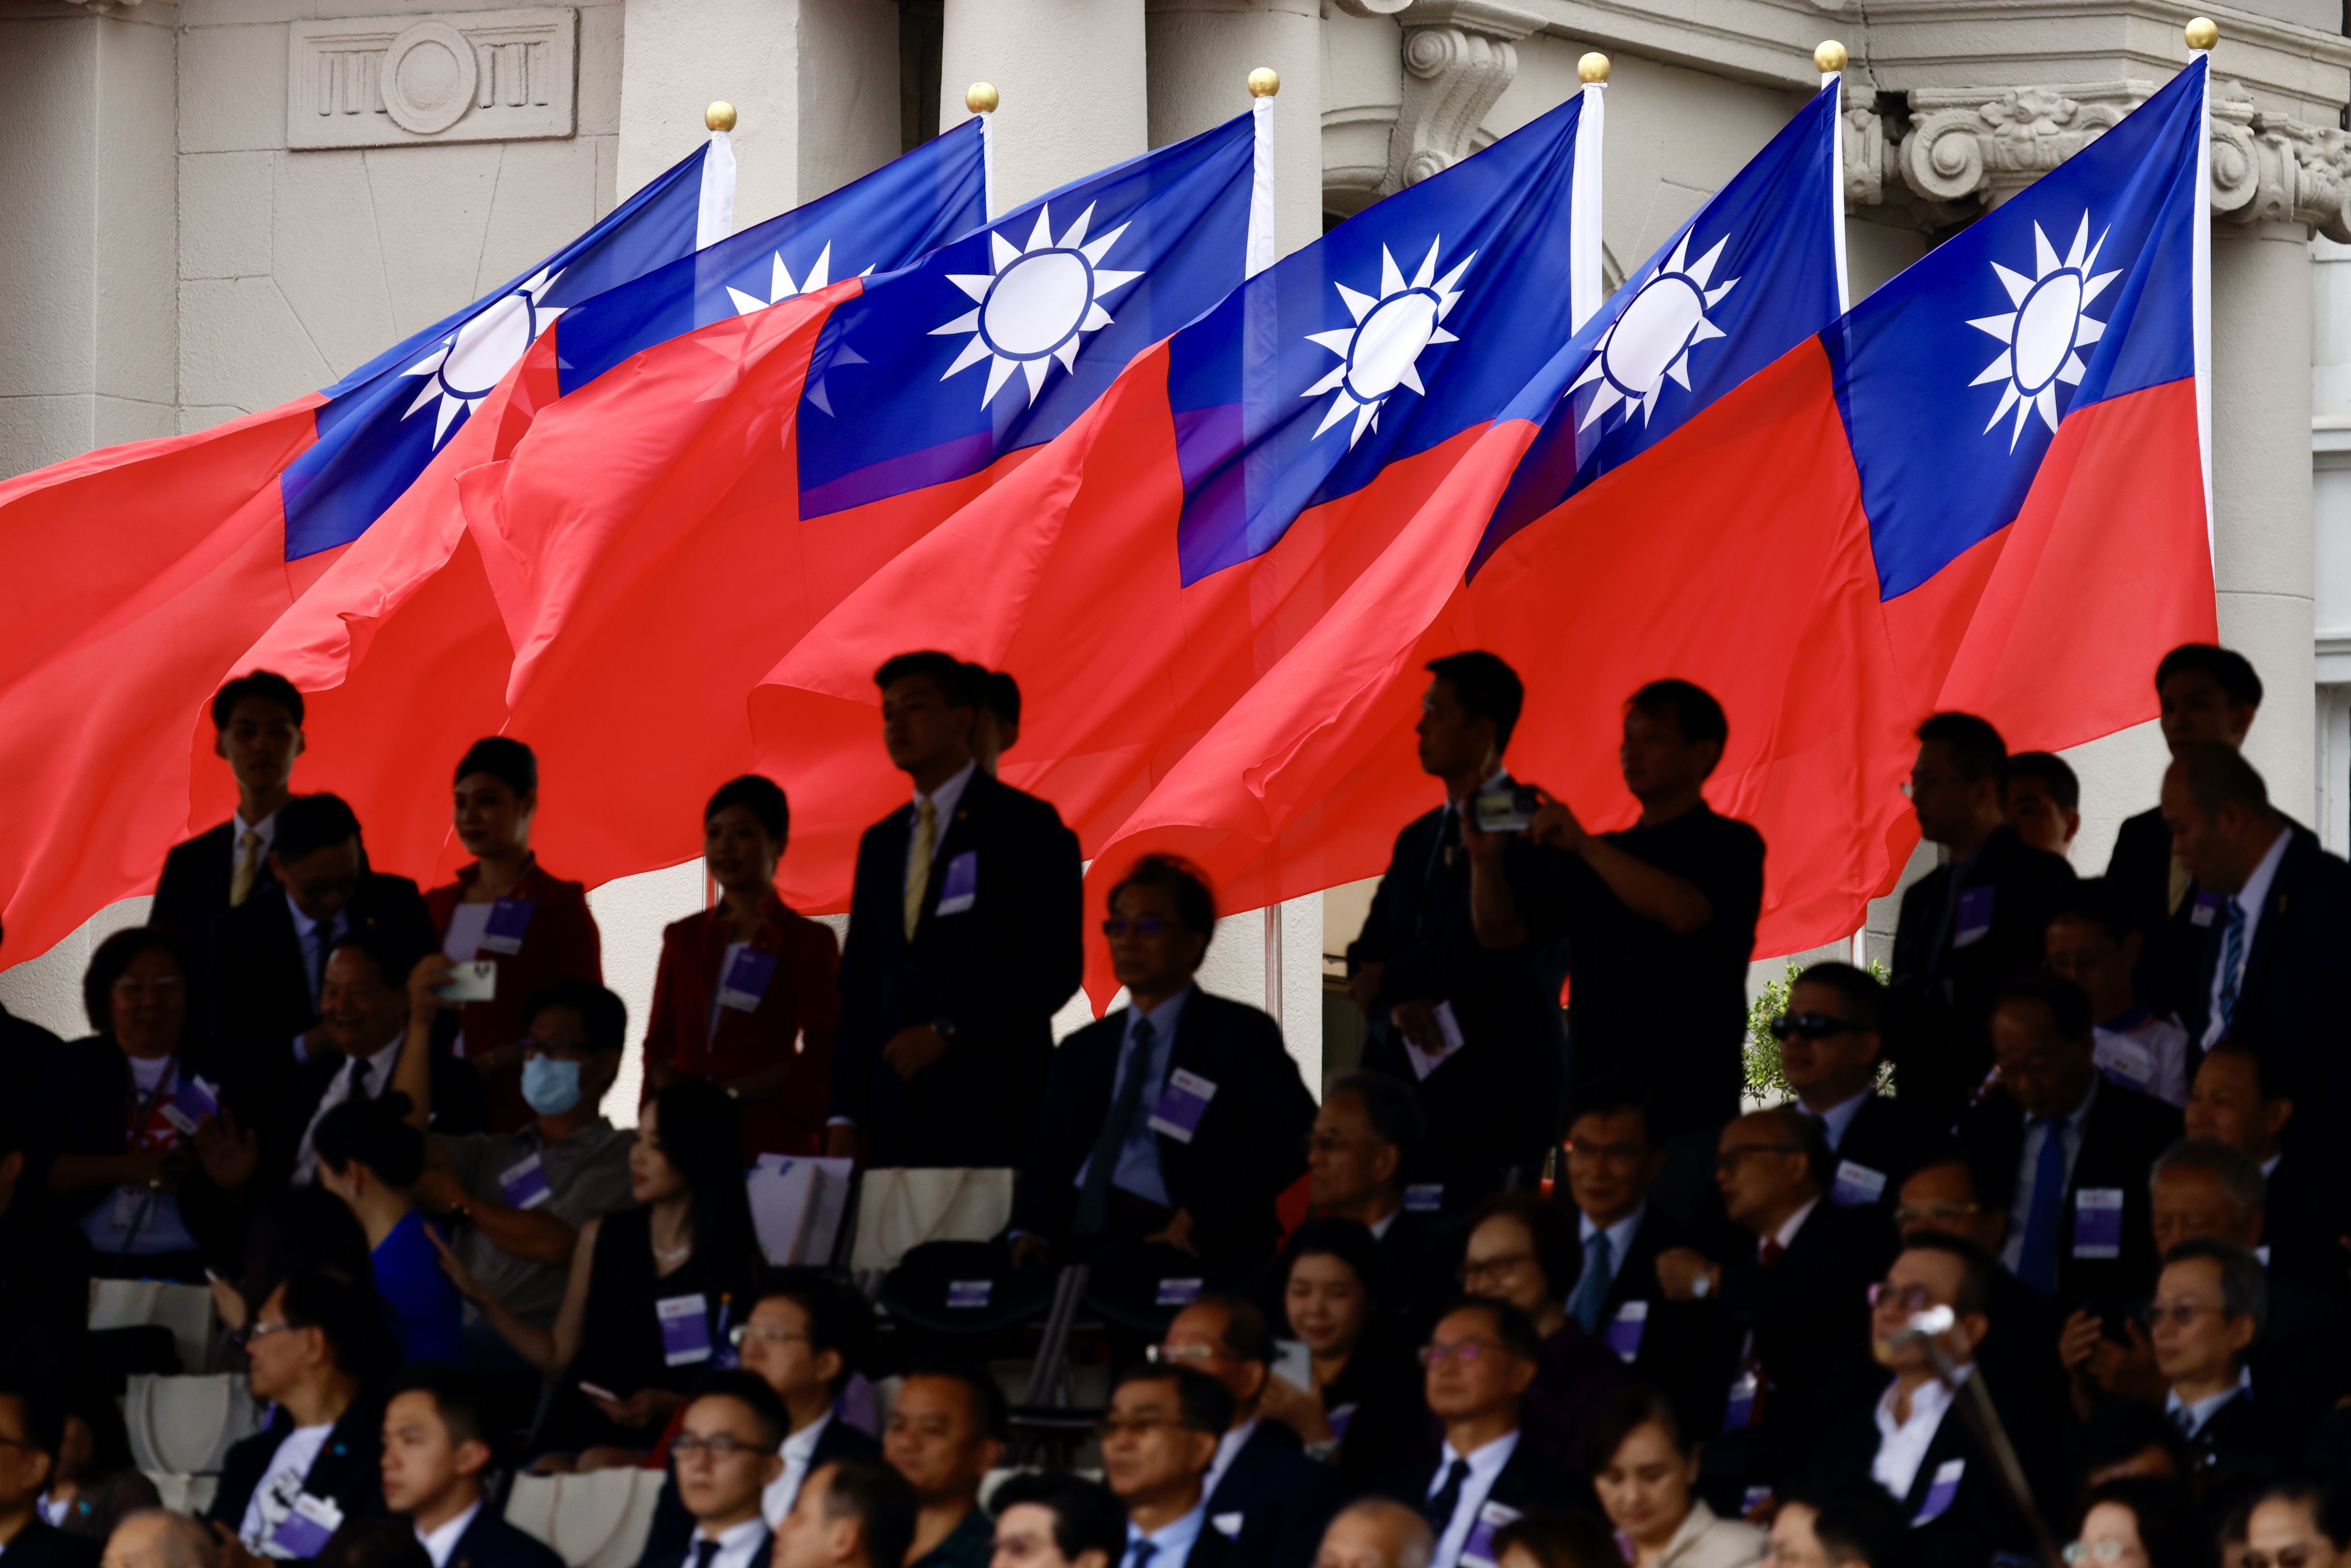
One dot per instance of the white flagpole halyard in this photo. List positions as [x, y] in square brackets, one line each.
[716, 219]
[1263, 83]
[1583, 199]
[981, 97]
[1830, 58]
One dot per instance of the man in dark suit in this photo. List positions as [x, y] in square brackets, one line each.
[1157, 1443]
[1178, 1119]
[1365, 1137]
[269, 967]
[1263, 1493]
[2080, 1148]
[25, 1048]
[2210, 1305]
[1471, 1025]
[2207, 694]
[1955, 1196]
[963, 941]
[1968, 925]
[1487, 1471]
[257, 731]
[724, 1455]
[1829, 1047]
[436, 1446]
[32, 1428]
[852, 1513]
[2243, 1096]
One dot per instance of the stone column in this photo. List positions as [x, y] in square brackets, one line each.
[1072, 81]
[1201, 52]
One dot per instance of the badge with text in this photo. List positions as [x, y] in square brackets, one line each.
[969, 1292]
[525, 1183]
[1480, 1548]
[2207, 910]
[1738, 1413]
[2099, 1222]
[1448, 1030]
[1182, 1104]
[195, 1100]
[1179, 1292]
[685, 1329]
[1856, 1185]
[962, 886]
[1424, 1197]
[307, 1528]
[510, 920]
[1624, 1329]
[1974, 918]
[1940, 1491]
[746, 980]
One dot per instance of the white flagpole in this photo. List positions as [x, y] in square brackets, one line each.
[716, 219]
[2201, 34]
[981, 97]
[1583, 210]
[1263, 83]
[1830, 58]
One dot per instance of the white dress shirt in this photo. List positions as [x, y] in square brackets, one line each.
[1485, 1465]
[1901, 1445]
[1380, 1227]
[439, 1542]
[2028, 1166]
[2145, 1053]
[798, 1449]
[238, 827]
[1228, 1447]
[1786, 1235]
[2249, 898]
[377, 1071]
[738, 1544]
[1171, 1543]
[2203, 1409]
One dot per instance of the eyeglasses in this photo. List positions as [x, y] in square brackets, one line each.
[2179, 1315]
[1181, 1355]
[769, 1333]
[128, 988]
[1328, 1143]
[1729, 1158]
[1115, 927]
[1130, 1425]
[2079, 1551]
[1466, 1352]
[1487, 1268]
[1909, 1298]
[2294, 1556]
[719, 1446]
[1812, 1026]
[1626, 1153]
[1911, 1214]
[253, 1333]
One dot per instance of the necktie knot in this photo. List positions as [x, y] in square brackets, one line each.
[1438, 1509]
[1140, 1554]
[249, 866]
[705, 1552]
[1592, 1286]
[1771, 1252]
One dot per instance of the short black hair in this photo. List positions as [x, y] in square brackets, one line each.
[1854, 1521]
[1856, 988]
[2095, 901]
[1559, 1252]
[1485, 687]
[308, 823]
[1977, 750]
[1511, 1325]
[838, 1319]
[377, 1135]
[378, 1540]
[957, 685]
[1248, 1336]
[1696, 715]
[2244, 1284]
[458, 1396]
[1624, 1412]
[2068, 1004]
[603, 1015]
[990, 1408]
[1087, 1515]
[504, 758]
[1195, 903]
[115, 955]
[751, 1391]
[2218, 775]
[1614, 1096]
[1975, 1266]
[2064, 788]
[350, 1314]
[999, 694]
[1392, 1109]
[267, 686]
[1202, 1404]
[759, 795]
[1348, 1240]
[2273, 1074]
[43, 1417]
[394, 955]
[882, 1502]
[2228, 669]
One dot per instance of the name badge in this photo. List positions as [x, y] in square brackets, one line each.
[1740, 1412]
[1228, 1525]
[2207, 910]
[2127, 1062]
[1424, 1197]
[1974, 918]
[1856, 1185]
[195, 1100]
[962, 886]
[685, 1329]
[525, 1183]
[969, 1292]
[2099, 1222]
[1940, 1491]
[1179, 1292]
[1182, 1104]
[510, 920]
[303, 1531]
[746, 980]
[1480, 1547]
[1624, 1329]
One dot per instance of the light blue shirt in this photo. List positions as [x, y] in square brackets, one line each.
[1138, 1158]
[1173, 1541]
[2028, 1166]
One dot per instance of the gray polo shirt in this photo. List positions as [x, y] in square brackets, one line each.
[587, 1177]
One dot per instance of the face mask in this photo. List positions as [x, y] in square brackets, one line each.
[550, 1085]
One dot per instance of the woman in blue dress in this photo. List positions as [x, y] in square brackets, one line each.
[369, 1156]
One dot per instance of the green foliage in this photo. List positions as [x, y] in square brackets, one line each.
[1765, 1081]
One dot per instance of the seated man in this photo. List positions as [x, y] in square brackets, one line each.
[852, 1513]
[1263, 1492]
[436, 1447]
[2211, 1305]
[1957, 1197]
[946, 1431]
[2044, 798]
[2243, 1096]
[1375, 1533]
[32, 1430]
[1175, 1120]
[1830, 1051]
[1049, 1519]
[1481, 1357]
[1157, 1443]
[2094, 943]
[1846, 1522]
[1365, 1137]
[724, 1459]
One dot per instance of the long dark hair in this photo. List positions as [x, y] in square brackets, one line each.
[702, 1134]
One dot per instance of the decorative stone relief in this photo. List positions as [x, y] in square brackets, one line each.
[467, 75]
[1458, 56]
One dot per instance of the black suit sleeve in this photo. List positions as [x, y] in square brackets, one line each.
[1063, 1134]
[1048, 956]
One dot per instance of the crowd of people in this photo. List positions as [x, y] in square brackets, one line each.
[2046, 1243]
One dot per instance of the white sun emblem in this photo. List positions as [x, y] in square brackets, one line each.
[1382, 350]
[1036, 303]
[468, 367]
[1652, 338]
[2038, 337]
[781, 286]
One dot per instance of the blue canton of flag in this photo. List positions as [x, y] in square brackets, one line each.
[1755, 272]
[999, 340]
[909, 206]
[384, 422]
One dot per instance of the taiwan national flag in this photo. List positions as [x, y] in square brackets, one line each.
[659, 537]
[401, 645]
[137, 574]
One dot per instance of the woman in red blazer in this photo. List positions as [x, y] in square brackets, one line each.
[746, 995]
[537, 928]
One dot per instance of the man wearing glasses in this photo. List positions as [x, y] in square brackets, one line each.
[2210, 1307]
[726, 1458]
[1830, 1051]
[1157, 1443]
[1955, 1196]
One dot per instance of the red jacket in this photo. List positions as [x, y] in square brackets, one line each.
[562, 942]
[795, 1022]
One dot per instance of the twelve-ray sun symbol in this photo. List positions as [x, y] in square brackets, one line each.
[2040, 336]
[1036, 303]
[467, 368]
[781, 287]
[1652, 338]
[1382, 350]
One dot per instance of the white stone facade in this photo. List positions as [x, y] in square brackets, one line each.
[214, 205]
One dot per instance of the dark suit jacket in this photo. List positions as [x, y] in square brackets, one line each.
[1980, 1519]
[192, 895]
[42, 1545]
[683, 1556]
[1246, 1149]
[1420, 1255]
[1896, 1138]
[998, 970]
[25, 1048]
[260, 980]
[2140, 871]
[349, 1471]
[460, 1105]
[1681, 1349]
[1809, 1311]
[2302, 1224]
[671, 1536]
[2124, 1134]
[1534, 1481]
[491, 1542]
[1937, 1025]
[2239, 1442]
[1284, 1500]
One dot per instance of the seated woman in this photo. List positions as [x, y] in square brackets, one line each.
[369, 1156]
[1645, 1471]
[652, 1291]
[746, 995]
[536, 927]
[1523, 1249]
[135, 1130]
[1364, 1411]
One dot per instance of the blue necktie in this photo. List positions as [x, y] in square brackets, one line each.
[1093, 1197]
[1140, 1554]
[1591, 1291]
[2233, 960]
[2036, 1264]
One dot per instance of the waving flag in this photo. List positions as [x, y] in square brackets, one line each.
[651, 540]
[409, 610]
[137, 574]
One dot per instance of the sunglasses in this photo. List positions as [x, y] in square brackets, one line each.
[1812, 1026]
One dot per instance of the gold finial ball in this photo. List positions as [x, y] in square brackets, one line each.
[2203, 33]
[1591, 68]
[719, 116]
[1264, 82]
[980, 98]
[1829, 57]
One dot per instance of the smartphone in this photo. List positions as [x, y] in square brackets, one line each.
[1293, 1363]
[590, 1388]
[475, 980]
[1506, 810]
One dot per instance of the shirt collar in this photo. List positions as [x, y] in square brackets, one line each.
[1176, 1535]
[303, 924]
[1485, 1463]
[736, 1535]
[1837, 1118]
[439, 1542]
[2204, 1409]
[1786, 1235]
[801, 1445]
[1927, 1402]
[1163, 1018]
[238, 827]
[944, 799]
[1228, 1447]
[1620, 1235]
[2256, 891]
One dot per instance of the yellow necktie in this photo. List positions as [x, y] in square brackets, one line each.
[249, 869]
[2178, 884]
[918, 864]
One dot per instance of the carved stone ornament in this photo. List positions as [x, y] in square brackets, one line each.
[468, 76]
[1458, 57]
